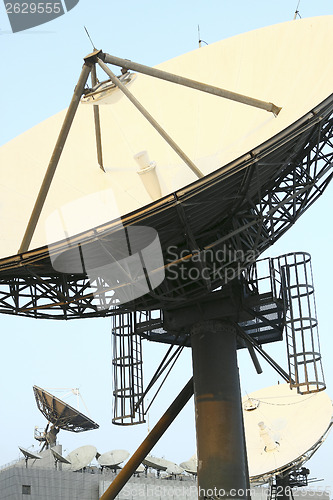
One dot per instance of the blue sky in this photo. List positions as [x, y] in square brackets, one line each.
[39, 70]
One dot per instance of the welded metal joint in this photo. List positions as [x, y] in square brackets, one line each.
[92, 57]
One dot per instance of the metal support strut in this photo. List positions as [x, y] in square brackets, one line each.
[165, 421]
[222, 459]
[56, 155]
[187, 82]
[150, 119]
[97, 122]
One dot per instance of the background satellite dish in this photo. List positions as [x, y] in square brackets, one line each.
[140, 469]
[29, 454]
[160, 464]
[59, 458]
[174, 469]
[294, 426]
[155, 463]
[80, 457]
[191, 465]
[61, 414]
[113, 458]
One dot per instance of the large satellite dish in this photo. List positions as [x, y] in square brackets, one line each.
[60, 414]
[174, 469]
[161, 201]
[283, 429]
[233, 145]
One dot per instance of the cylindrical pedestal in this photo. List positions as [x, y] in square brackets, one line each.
[222, 460]
[283, 488]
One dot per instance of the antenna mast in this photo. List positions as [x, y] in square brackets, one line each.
[199, 38]
[297, 11]
[92, 43]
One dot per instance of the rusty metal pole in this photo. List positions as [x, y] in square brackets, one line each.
[56, 155]
[155, 434]
[222, 459]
